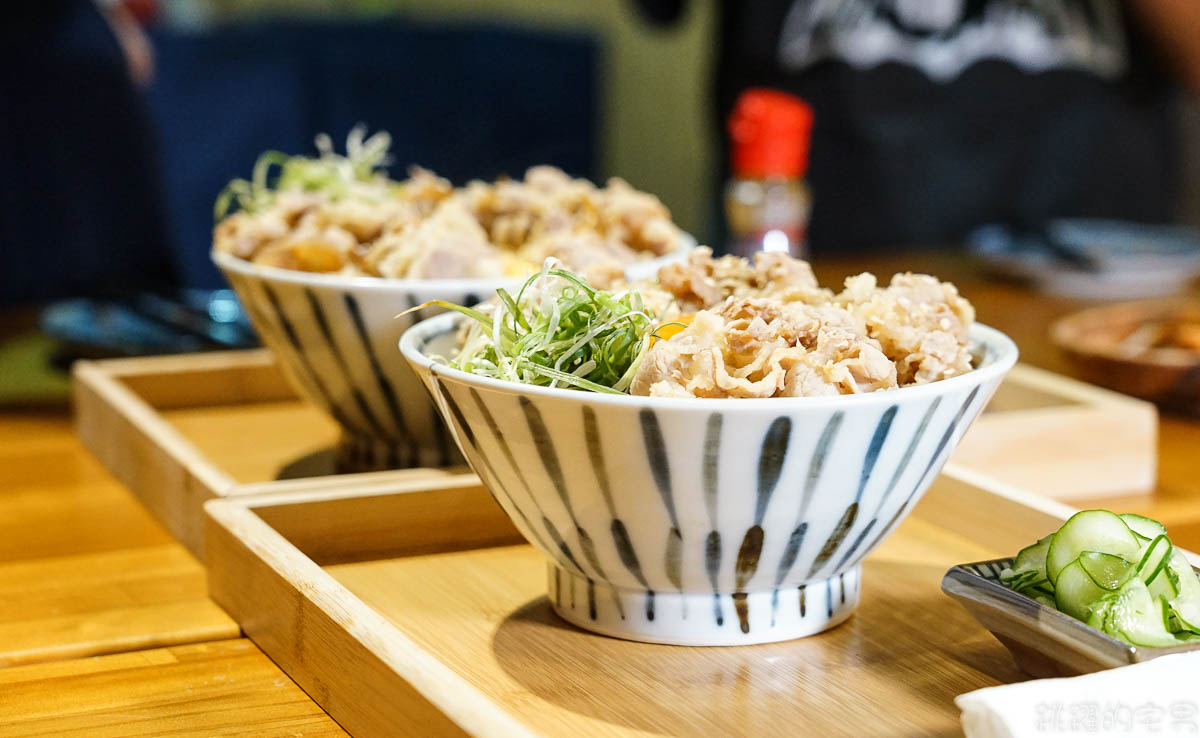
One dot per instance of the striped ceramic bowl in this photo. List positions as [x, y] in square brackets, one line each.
[704, 521]
[335, 338]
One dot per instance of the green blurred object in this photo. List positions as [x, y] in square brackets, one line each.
[28, 376]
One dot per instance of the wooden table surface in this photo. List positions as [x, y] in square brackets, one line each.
[105, 627]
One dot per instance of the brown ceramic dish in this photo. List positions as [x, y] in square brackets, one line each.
[1043, 641]
[1098, 343]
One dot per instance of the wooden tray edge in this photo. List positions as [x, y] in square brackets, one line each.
[1076, 389]
[168, 473]
[250, 560]
[417, 694]
[150, 458]
[1120, 428]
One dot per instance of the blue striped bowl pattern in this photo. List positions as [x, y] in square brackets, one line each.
[706, 521]
[336, 337]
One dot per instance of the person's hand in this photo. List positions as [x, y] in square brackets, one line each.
[135, 44]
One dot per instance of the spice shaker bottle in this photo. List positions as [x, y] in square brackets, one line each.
[767, 202]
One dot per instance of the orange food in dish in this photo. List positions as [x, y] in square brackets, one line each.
[665, 331]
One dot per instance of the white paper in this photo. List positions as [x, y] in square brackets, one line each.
[1158, 698]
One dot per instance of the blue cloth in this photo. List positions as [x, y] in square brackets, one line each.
[80, 207]
[467, 102]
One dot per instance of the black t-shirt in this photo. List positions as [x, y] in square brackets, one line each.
[935, 116]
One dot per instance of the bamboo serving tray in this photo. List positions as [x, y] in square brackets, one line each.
[181, 430]
[1056, 436]
[416, 610]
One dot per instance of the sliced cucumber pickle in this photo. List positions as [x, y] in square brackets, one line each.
[1154, 559]
[1031, 561]
[1099, 611]
[1088, 578]
[1120, 574]
[1107, 571]
[1137, 618]
[1166, 584]
[1024, 580]
[1187, 615]
[1188, 584]
[1048, 600]
[1186, 604]
[1147, 528]
[1090, 530]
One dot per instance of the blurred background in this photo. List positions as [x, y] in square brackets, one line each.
[1039, 136]
[123, 120]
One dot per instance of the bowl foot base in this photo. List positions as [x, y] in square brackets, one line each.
[356, 454]
[725, 619]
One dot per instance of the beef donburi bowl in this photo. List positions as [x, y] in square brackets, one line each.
[329, 255]
[711, 467]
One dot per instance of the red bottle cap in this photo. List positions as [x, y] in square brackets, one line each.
[770, 132]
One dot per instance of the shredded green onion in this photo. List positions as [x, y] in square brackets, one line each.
[557, 331]
[328, 172]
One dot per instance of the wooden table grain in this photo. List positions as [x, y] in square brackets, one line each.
[85, 571]
[202, 689]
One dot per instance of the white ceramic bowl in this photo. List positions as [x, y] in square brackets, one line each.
[704, 521]
[335, 338]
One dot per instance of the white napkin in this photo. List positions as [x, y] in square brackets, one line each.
[1157, 698]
